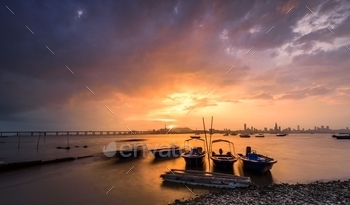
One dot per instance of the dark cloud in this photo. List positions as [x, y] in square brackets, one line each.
[147, 48]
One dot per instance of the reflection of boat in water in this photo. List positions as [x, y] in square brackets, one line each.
[260, 135]
[256, 162]
[174, 151]
[207, 179]
[257, 178]
[281, 134]
[244, 135]
[223, 161]
[193, 156]
[342, 136]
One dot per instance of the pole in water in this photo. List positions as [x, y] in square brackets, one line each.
[211, 130]
[19, 139]
[68, 141]
[37, 145]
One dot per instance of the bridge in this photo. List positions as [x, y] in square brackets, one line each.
[101, 132]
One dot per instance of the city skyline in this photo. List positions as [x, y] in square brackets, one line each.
[171, 129]
[77, 65]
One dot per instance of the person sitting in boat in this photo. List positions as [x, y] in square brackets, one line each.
[200, 150]
[220, 151]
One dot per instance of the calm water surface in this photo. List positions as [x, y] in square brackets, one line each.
[301, 158]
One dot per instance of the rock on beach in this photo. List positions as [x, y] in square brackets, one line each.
[332, 192]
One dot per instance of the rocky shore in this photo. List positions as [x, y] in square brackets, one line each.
[333, 192]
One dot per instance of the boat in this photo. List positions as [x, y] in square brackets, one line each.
[223, 161]
[281, 134]
[134, 151]
[174, 151]
[233, 134]
[193, 156]
[342, 136]
[260, 135]
[256, 162]
[197, 132]
[207, 179]
[244, 135]
[195, 136]
[226, 134]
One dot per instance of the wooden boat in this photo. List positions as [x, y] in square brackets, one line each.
[174, 151]
[207, 179]
[281, 134]
[244, 135]
[342, 136]
[226, 134]
[260, 135]
[194, 156]
[223, 161]
[233, 134]
[256, 162]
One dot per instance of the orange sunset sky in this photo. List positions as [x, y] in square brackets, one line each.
[146, 64]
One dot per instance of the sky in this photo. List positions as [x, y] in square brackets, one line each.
[115, 65]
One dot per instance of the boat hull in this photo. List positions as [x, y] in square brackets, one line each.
[256, 166]
[223, 162]
[244, 135]
[281, 135]
[340, 137]
[193, 160]
[259, 135]
[165, 153]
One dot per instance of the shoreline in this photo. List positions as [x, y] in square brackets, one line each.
[318, 192]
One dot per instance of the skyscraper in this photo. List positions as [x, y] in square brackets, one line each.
[276, 128]
[245, 127]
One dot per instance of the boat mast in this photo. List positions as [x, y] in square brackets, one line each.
[206, 141]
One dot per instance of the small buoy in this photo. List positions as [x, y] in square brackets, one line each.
[67, 148]
[76, 146]
[85, 146]
[58, 147]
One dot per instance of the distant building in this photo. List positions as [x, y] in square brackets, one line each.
[276, 128]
